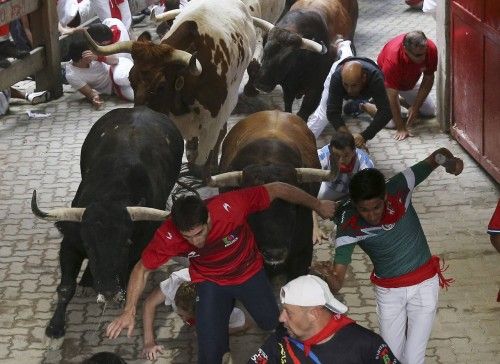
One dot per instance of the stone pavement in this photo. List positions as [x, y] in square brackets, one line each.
[43, 154]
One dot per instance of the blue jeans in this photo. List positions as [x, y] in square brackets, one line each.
[214, 307]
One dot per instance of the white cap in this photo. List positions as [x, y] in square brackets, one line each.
[308, 291]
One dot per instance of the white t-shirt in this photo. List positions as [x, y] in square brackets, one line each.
[170, 285]
[67, 9]
[96, 76]
[116, 25]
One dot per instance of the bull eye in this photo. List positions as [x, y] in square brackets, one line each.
[129, 242]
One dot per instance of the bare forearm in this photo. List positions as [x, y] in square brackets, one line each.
[111, 60]
[393, 96]
[148, 315]
[423, 91]
[135, 287]
[292, 194]
[148, 318]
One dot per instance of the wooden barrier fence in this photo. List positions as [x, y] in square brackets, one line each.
[44, 60]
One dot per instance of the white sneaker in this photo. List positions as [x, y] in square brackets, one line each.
[390, 125]
[38, 97]
[344, 49]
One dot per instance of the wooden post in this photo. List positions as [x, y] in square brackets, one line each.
[44, 22]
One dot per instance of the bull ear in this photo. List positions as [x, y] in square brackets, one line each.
[145, 37]
[193, 65]
[179, 83]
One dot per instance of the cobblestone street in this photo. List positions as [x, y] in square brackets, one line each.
[43, 154]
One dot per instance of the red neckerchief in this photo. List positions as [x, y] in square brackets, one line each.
[394, 209]
[347, 168]
[116, 34]
[335, 324]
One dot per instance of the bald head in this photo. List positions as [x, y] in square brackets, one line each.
[353, 78]
[352, 71]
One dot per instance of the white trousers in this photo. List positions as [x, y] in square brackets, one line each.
[428, 107]
[120, 74]
[406, 316]
[317, 120]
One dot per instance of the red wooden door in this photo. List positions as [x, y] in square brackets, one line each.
[475, 75]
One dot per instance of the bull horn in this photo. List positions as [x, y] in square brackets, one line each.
[120, 47]
[307, 175]
[139, 213]
[189, 60]
[168, 15]
[263, 24]
[62, 214]
[311, 45]
[228, 179]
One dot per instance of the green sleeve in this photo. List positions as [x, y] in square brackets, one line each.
[343, 254]
[421, 170]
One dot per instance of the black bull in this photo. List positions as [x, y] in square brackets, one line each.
[274, 146]
[130, 161]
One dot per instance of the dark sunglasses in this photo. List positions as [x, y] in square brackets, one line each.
[417, 55]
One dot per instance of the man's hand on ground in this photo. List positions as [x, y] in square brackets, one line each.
[412, 116]
[126, 320]
[152, 351]
[402, 134]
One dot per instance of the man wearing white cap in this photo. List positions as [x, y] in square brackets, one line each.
[314, 330]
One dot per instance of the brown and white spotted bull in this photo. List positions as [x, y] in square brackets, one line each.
[302, 72]
[194, 73]
[271, 146]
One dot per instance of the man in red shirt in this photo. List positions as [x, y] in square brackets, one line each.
[225, 262]
[403, 60]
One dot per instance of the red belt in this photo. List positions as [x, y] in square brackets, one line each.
[426, 271]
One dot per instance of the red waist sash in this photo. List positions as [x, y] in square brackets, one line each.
[426, 271]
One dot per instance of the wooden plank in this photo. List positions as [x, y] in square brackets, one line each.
[22, 68]
[469, 146]
[14, 9]
[45, 22]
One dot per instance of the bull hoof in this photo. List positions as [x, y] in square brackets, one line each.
[54, 331]
[53, 343]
